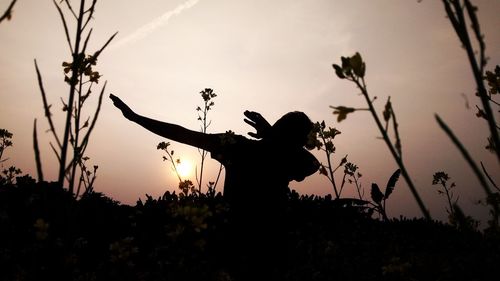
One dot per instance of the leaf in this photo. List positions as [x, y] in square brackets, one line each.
[346, 64]
[392, 183]
[357, 64]
[339, 71]
[322, 170]
[343, 161]
[376, 194]
[387, 110]
[342, 112]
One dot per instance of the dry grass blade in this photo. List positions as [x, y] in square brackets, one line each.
[37, 153]
[94, 120]
[105, 45]
[46, 105]
[468, 158]
[489, 178]
[86, 41]
[66, 31]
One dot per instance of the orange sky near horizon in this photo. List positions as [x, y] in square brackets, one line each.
[267, 56]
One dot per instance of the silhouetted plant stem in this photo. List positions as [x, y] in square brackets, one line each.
[441, 178]
[397, 145]
[37, 154]
[203, 153]
[360, 83]
[46, 108]
[489, 178]
[164, 146]
[471, 163]
[331, 175]
[207, 94]
[80, 82]
[322, 139]
[455, 12]
[8, 13]
[85, 140]
[358, 187]
[353, 69]
[74, 76]
[448, 198]
[218, 176]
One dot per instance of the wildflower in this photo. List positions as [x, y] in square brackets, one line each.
[41, 229]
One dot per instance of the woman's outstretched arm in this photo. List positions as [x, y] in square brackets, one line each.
[170, 131]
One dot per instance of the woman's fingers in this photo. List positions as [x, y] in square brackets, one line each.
[252, 115]
[249, 122]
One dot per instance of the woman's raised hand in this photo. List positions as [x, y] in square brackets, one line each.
[259, 123]
[127, 112]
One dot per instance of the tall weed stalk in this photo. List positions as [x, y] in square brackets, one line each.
[353, 69]
[322, 139]
[80, 75]
[461, 14]
[187, 186]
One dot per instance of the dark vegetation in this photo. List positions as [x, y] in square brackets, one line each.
[46, 234]
[65, 230]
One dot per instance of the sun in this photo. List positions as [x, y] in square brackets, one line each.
[184, 168]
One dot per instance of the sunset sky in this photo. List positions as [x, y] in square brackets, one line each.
[267, 56]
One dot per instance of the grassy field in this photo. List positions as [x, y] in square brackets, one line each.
[45, 234]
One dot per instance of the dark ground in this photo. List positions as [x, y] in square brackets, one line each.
[45, 234]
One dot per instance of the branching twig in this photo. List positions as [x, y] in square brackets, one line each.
[71, 148]
[66, 30]
[489, 178]
[94, 119]
[455, 13]
[469, 160]
[362, 86]
[8, 13]
[353, 69]
[73, 81]
[46, 106]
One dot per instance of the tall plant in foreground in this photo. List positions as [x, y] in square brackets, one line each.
[461, 14]
[207, 95]
[187, 186]
[81, 77]
[7, 175]
[322, 139]
[353, 69]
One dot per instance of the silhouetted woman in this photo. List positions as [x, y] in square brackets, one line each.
[255, 170]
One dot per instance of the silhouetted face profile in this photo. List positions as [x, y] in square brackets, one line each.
[292, 129]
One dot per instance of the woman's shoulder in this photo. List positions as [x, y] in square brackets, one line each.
[230, 138]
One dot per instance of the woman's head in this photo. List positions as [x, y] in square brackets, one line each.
[292, 128]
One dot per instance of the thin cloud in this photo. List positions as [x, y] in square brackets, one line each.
[150, 27]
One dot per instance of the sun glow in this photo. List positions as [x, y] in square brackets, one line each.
[184, 168]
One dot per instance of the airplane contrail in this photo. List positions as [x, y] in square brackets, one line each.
[148, 28]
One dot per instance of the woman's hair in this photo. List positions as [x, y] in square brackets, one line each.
[293, 128]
